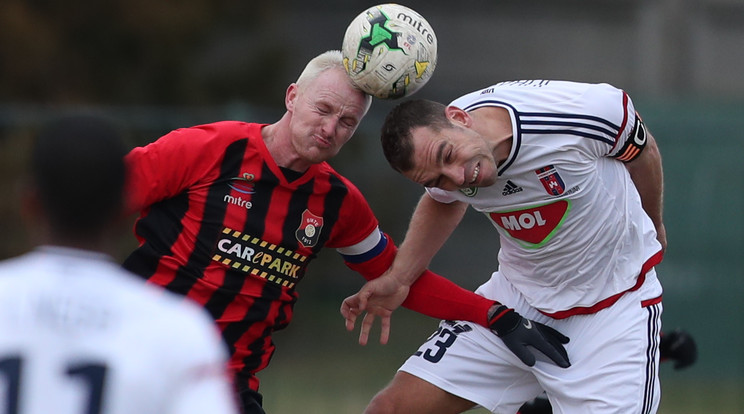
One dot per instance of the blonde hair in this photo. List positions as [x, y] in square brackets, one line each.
[332, 59]
[319, 64]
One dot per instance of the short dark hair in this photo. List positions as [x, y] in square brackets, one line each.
[77, 167]
[396, 130]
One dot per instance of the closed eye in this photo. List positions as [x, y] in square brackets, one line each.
[448, 155]
[349, 122]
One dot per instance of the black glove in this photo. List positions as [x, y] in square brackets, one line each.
[518, 332]
[539, 405]
[679, 346]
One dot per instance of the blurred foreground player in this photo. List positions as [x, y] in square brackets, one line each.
[78, 334]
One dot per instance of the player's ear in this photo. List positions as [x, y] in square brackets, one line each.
[458, 116]
[290, 97]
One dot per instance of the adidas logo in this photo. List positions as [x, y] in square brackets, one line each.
[510, 188]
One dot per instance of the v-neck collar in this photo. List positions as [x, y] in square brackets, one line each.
[274, 167]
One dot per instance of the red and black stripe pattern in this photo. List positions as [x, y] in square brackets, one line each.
[223, 225]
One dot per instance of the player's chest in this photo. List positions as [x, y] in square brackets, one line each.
[264, 205]
[532, 202]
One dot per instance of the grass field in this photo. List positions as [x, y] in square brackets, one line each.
[319, 368]
[343, 383]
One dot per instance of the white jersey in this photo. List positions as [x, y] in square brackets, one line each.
[79, 335]
[572, 229]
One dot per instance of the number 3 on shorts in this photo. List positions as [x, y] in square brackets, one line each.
[440, 341]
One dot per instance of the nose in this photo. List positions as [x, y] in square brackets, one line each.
[328, 126]
[455, 175]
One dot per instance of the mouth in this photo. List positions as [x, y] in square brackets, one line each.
[326, 142]
[476, 173]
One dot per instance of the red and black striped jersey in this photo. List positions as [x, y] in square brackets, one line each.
[223, 225]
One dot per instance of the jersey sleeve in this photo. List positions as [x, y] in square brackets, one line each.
[632, 142]
[356, 223]
[616, 109]
[174, 162]
[440, 195]
[432, 295]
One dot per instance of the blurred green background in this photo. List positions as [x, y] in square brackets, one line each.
[156, 66]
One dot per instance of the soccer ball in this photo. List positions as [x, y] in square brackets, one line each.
[390, 51]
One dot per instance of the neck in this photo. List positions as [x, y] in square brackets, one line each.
[99, 244]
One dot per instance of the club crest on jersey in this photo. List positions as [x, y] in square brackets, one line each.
[551, 180]
[309, 231]
[470, 191]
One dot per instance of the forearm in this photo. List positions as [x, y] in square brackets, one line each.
[431, 225]
[440, 298]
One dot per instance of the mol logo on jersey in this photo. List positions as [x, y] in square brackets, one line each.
[534, 226]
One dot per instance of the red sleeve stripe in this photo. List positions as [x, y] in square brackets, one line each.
[625, 120]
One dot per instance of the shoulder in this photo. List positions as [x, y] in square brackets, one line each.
[544, 95]
[14, 269]
[194, 142]
[163, 315]
[338, 181]
[225, 129]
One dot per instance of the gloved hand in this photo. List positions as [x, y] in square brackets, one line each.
[678, 346]
[518, 332]
[539, 405]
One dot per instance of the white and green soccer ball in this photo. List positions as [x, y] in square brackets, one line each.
[390, 51]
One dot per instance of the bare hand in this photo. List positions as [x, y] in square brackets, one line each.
[378, 297]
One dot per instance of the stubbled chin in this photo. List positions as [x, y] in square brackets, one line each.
[319, 154]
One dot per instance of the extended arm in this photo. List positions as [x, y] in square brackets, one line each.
[647, 175]
[431, 225]
[407, 282]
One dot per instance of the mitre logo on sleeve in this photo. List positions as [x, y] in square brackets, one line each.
[310, 227]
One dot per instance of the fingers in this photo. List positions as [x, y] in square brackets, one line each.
[350, 313]
[353, 306]
[554, 334]
[362, 297]
[552, 346]
[524, 354]
[384, 329]
[350, 321]
[526, 337]
[559, 356]
[367, 322]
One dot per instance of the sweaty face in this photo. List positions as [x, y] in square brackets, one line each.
[325, 113]
[451, 159]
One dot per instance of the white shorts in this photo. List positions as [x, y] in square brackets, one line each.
[614, 358]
